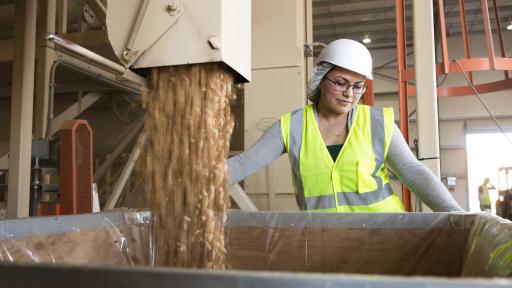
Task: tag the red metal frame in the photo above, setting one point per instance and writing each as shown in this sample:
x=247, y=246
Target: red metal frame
x=464, y=30
x=448, y=67
x=75, y=179
x=500, y=34
x=442, y=27
x=368, y=96
x=402, y=85
x=488, y=34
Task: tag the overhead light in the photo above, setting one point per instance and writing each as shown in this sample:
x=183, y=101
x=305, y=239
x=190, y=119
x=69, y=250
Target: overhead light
x=509, y=27
x=367, y=39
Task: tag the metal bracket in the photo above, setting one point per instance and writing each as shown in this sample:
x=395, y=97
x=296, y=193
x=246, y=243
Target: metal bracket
x=133, y=25
x=309, y=48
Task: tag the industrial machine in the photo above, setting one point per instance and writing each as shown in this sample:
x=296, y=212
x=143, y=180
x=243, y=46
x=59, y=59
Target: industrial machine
x=173, y=32
x=75, y=181
x=61, y=173
x=3, y=184
x=140, y=34
x=176, y=32
x=44, y=194
x=156, y=33
x=504, y=202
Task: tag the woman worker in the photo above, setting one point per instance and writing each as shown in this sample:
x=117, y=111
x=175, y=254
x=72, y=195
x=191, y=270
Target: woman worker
x=339, y=150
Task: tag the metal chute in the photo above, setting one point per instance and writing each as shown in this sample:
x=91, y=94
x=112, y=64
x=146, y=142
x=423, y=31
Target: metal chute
x=164, y=33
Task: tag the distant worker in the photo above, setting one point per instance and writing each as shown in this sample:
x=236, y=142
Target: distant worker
x=339, y=151
x=483, y=195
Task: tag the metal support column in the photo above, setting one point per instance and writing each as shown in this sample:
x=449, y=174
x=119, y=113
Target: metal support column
x=402, y=85
x=62, y=16
x=125, y=174
x=241, y=198
x=426, y=91
x=45, y=59
x=21, y=108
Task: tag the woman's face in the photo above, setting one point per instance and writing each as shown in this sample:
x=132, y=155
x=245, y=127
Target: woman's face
x=339, y=90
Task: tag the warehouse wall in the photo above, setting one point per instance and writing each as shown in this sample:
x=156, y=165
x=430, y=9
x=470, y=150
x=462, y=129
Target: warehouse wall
x=277, y=87
x=278, y=69
x=271, y=89
x=457, y=115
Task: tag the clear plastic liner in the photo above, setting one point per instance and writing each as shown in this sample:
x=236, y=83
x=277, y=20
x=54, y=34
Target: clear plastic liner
x=489, y=248
x=117, y=237
x=405, y=244
x=444, y=245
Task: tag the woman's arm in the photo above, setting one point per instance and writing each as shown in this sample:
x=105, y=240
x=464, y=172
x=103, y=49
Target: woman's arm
x=268, y=148
x=420, y=180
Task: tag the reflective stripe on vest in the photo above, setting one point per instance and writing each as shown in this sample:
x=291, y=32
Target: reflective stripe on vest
x=351, y=198
x=295, y=143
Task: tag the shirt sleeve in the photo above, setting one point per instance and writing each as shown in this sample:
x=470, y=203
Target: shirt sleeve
x=417, y=177
x=268, y=148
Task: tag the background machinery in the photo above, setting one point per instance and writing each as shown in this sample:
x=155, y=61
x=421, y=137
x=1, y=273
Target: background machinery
x=504, y=202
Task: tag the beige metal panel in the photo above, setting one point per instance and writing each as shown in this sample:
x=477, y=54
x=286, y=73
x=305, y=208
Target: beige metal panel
x=452, y=134
x=21, y=109
x=272, y=93
x=278, y=30
x=454, y=163
x=134, y=25
x=424, y=58
x=454, y=158
x=261, y=202
x=461, y=193
x=4, y=159
x=270, y=181
x=236, y=36
x=6, y=50
x=308, y=24
x=7, y=16
x=281, y=202
x=207, y=31
x=62, y=16
x=45, y=59
x=278, y=87
x=286, y=202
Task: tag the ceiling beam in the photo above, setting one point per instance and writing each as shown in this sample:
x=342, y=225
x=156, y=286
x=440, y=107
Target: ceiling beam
x=355, y=12
x=340, y=25
x=331, y=3
x=385, y=38
x=354, y=33
x=325, y=3
x=504, y=16
x=389, y=9
x=392, y=22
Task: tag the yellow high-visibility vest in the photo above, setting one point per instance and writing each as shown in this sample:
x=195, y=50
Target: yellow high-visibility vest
x=357, y=181
x=485, y=196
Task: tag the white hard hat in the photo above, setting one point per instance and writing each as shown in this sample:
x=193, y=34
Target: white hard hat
x=348, y=54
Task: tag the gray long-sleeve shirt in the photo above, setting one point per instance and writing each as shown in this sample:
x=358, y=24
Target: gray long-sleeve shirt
x=416, y=176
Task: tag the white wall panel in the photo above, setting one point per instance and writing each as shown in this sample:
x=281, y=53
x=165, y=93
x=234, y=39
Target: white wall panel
x=277, y=87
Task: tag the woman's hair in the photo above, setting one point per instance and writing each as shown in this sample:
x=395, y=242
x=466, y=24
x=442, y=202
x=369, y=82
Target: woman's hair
x=319, y=71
